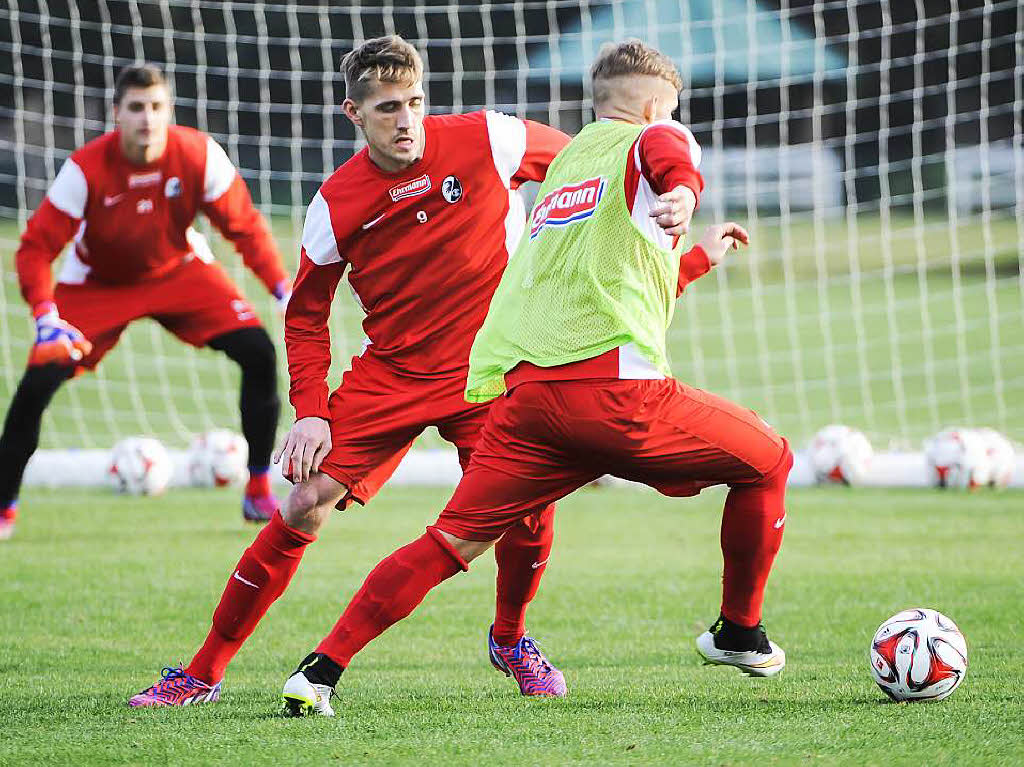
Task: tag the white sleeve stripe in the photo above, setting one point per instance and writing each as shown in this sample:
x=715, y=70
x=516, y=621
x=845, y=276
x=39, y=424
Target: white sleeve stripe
x=219, y=171
x=508, y=144
x=69, y=190
x=695, y=151
x=318, y=233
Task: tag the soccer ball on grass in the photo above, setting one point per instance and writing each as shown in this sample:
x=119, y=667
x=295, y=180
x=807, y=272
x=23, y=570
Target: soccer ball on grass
x=1002, y=458
x=918, y=655
x=839, y=454
x=957, y=458
x=139, y=466
x=217, y=458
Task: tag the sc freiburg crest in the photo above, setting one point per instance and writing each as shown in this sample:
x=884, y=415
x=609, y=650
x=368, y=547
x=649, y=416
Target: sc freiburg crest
x=451, y=189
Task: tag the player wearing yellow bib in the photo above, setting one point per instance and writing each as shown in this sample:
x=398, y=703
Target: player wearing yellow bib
x=573, y=352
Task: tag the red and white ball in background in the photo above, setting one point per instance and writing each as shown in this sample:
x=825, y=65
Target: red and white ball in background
x=957, y=458
x=1002, y=458
x=840, y=454
x=217, y=458
x=139, y=466
x=918, y=655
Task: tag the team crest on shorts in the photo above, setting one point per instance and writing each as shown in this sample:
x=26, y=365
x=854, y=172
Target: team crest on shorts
x=567, y=204
x=451, y=189
x=173, y=187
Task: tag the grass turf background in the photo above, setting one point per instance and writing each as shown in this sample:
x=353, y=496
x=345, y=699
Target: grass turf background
x=98, y=591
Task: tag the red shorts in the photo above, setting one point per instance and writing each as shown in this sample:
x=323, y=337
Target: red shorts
x=544, y=440
x=376, y=414
x=197, y=302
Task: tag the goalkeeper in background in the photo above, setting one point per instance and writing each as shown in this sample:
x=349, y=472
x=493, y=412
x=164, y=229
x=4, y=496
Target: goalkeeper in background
x=572, y=353
x=128, y=199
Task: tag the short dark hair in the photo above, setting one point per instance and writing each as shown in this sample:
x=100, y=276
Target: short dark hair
x=137, y=76
x=384, y=59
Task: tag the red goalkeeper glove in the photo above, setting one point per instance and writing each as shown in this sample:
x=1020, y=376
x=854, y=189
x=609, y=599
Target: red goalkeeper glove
x=57, y=341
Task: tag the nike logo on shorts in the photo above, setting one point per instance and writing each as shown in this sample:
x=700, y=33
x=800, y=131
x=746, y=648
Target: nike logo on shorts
x=535, y=565
x=238, y=577
x=780, y=522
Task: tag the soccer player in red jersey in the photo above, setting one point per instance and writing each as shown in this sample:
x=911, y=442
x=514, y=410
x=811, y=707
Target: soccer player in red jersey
x=575, y=340
x=423, y=220
x=127, y=200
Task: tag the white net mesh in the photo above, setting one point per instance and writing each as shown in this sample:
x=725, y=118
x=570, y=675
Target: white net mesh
x=873, y=148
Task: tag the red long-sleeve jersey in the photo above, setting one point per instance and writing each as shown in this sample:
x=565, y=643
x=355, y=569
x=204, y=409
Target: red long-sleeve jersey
x=665, y=156
x=425, y=248
x=131, y=223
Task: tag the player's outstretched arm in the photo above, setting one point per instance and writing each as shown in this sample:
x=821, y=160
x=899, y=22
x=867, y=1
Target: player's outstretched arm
x=51, y=226
x=304, y=448
x=228, y=205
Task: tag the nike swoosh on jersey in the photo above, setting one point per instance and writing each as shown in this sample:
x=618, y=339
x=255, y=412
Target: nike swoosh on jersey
x=368, y=224
x=112, y=199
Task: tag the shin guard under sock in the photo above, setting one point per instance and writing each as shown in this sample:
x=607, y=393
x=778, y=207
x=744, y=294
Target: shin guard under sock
x=522, y=554
x=390, y=592
x=261, y=576
x=752, y=526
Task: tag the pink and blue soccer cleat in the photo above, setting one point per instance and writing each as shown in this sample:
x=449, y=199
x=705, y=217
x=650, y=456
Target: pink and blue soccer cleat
x=527, y=664
x=176, y=688
x=259, y=508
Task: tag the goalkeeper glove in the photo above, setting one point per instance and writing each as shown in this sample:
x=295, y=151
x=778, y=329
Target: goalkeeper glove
x=282, y=292
x=57, y=341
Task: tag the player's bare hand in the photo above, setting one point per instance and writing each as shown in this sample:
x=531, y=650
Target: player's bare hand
x=718, y=238
x=674, y=210
x=304, y=448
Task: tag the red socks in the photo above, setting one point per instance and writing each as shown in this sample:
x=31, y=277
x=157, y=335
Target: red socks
x=390, y=593
x=258, y=485
x=752, y=526
x=261, y=576
x=522, y=554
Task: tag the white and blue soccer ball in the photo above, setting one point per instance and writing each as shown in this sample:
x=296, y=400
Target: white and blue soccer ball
x=840, y=454
x=918, y=655
x=957, y=458
x=139, y=466
x=1002, y=458
x=217, y=458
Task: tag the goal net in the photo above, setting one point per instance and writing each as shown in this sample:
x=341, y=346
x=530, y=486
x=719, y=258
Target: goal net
x=874, y=150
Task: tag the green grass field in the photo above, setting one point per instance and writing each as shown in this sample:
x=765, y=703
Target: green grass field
x=97, y=592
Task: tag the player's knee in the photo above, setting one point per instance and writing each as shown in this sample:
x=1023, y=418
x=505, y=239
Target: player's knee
x=780, y=473
x=303, y=508
x=252, y=349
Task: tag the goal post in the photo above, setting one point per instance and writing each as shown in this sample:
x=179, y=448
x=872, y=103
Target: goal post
x=875, y=150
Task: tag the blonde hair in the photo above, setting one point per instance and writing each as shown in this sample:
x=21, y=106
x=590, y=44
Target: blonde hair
x=383, y=59
x=630, y=57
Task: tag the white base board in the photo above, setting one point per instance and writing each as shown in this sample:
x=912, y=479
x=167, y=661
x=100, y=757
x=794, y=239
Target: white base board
x=438, y=468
